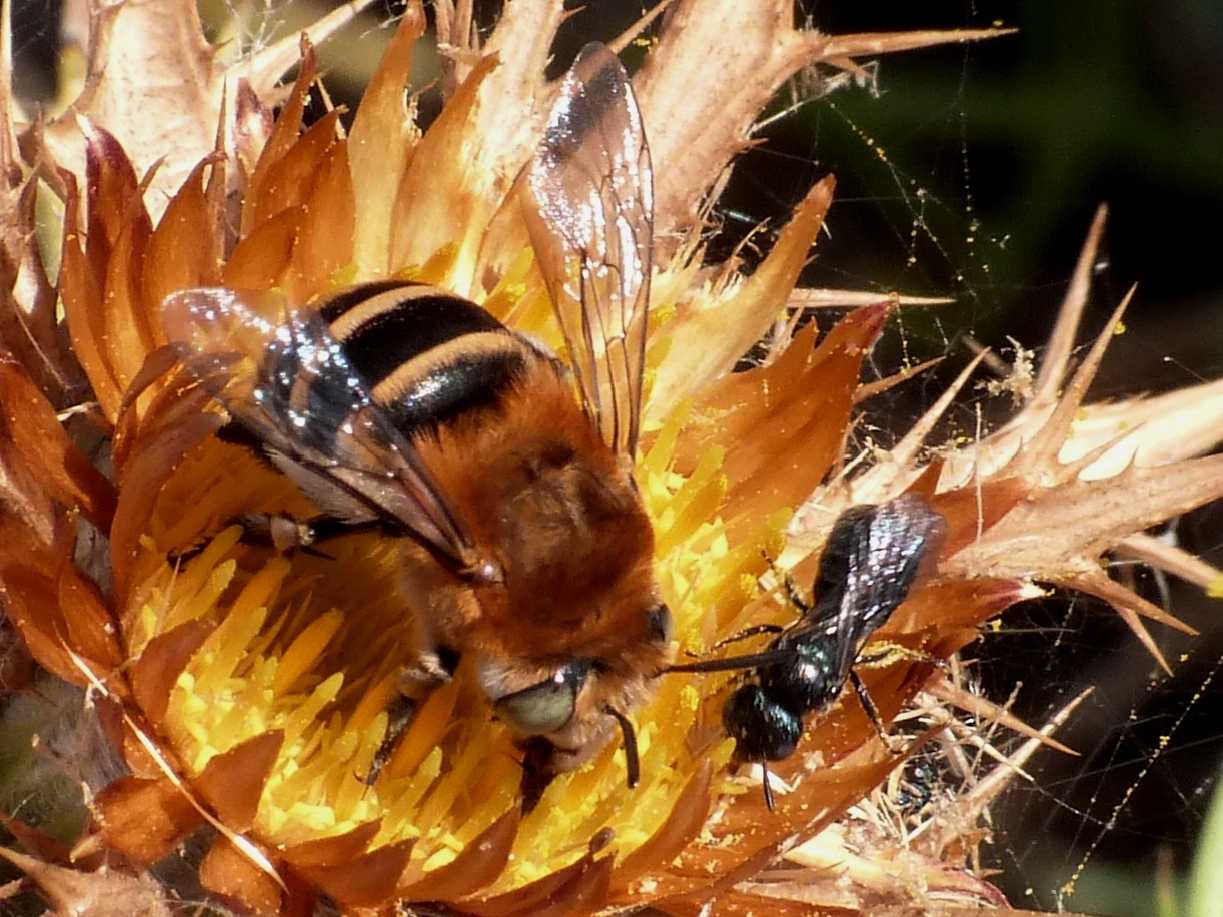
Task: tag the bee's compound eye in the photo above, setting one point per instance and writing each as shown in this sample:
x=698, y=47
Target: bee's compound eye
x=547, y=706
x=762, y=729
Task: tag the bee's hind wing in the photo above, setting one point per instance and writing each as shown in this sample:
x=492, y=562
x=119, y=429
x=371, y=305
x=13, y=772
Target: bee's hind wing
x=589, y=199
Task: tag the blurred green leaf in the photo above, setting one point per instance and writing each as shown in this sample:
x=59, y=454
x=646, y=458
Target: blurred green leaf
x=1205, y=897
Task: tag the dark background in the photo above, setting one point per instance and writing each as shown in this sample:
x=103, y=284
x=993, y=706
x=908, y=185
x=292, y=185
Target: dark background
x=997, y=155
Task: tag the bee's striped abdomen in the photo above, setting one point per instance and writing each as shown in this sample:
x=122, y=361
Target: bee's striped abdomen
x=426, y=355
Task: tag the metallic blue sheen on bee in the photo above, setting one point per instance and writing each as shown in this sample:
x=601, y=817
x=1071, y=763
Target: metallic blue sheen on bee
x=871, y=560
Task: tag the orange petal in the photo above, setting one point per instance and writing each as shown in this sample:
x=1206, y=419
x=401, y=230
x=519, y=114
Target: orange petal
x=91, y=630
x=820, y=799
x=483, y=859
x=81, y=289
x=788, y=422
x=707, y=343
x=63, y=471
x=163, y=660
x=118, y=232
x=113, y=192
x=31, y=602
x=184, y=250
x=229, y=872
x=687, y=818
x=156, y=365
x=951, y=605
x=289, y=181
x=435, y=205
x=261, y=259
x=325, y=243
x=128, y=335
x=31, y=516
x=972, y=511
x=141, y=483
x=145, y=820
x=258, y=206
x=380, y=145
x=366, y=880
x=328, y=851
x=585, y=893
x=119, y=731
x=539, y=896
x=233, y=782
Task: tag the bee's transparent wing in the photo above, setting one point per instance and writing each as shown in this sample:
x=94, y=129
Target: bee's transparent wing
x=872, y=558
x=288, y=384
x=590, y=210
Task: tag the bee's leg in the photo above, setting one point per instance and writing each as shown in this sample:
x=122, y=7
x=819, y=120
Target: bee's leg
x=414, y=684
x=537, y=772
x=764, y=782
x=748, y=632
x=280, y=532
x=324, y=528
x=868, y=704
x=430, y=667
x=286, y=534
x=884, y=652
x=399, y=716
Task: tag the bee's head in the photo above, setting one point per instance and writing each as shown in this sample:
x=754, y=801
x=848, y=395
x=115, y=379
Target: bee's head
x=763, y=729
x=576, y=705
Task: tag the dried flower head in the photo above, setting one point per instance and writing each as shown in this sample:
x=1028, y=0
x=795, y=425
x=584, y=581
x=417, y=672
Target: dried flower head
x=248, y=691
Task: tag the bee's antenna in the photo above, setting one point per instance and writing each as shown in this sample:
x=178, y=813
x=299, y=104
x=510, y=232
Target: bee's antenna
x=632, y=762
x=734, y=663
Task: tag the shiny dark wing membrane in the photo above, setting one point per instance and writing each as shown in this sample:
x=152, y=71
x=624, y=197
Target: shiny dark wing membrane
x=285, y=380
x=872, y=558
x=590, y=210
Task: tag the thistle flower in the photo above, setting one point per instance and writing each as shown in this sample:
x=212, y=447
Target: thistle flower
x=248, y=691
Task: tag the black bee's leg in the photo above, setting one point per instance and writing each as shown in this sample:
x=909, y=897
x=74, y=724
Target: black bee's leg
x=882, y=653
x=399, y=716
x=868, y=704
x=768, y=787
x=745, y=634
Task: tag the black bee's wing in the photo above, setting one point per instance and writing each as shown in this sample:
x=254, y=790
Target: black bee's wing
x=590, y=210
x=287, y=382
x=870, y=562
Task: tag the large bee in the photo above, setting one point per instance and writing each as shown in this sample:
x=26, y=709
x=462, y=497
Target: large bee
x=872, y=557
x=506, y=476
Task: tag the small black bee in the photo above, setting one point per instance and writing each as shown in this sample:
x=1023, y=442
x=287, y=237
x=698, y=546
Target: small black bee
x=871, y=560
